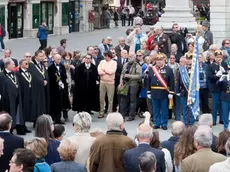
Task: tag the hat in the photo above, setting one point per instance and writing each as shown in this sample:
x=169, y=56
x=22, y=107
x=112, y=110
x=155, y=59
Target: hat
x=160, y=56
x=205, y=24
x=218, y=52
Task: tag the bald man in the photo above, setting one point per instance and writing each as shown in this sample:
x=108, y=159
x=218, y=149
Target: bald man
x=177, y=129
x=121, y=46
x=144, y=136
x=59, y=95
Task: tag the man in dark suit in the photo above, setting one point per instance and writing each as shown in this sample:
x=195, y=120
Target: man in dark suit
x=7, y=54
x=177, y=130
x=11, y=142
x=144, y=136
x=121, y=46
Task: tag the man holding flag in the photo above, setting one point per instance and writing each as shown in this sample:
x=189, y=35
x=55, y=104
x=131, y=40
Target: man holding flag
x=188, y=87
x=161, y=84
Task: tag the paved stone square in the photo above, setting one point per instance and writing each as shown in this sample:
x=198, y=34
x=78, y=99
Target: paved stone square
x=79, y=41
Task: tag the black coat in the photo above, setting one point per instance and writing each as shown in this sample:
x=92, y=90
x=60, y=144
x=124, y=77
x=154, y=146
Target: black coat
x=86, y=95
x=59, y=98
x=2, y=63
x=40, y=95
x=11, y=143
x=179, y=39
x=25, y=83
x=118, y=50
x=11, y=98
x=115, y=16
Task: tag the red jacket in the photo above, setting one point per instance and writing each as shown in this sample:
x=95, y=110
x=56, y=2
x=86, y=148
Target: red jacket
x=150, y=42
x=91, y=16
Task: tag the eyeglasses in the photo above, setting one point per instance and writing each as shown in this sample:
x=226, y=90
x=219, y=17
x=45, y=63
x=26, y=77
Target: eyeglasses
x=45, y=61
x=28, y=56
x=138, y=55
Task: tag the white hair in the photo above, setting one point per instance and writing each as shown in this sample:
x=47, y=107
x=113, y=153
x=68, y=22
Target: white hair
x=203, y=136
x=205, y=119
x=177, y=128
x=121, y=38
x=114, y=121
x=144, y=135
x=82, y=121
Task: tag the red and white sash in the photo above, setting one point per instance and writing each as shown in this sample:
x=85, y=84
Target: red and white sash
x=160, y=78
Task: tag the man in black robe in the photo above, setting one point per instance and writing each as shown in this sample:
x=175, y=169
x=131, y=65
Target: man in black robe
x=25, y=83
x=59, y=96
x=40, y=96
x=86, y=96
x=11, y=97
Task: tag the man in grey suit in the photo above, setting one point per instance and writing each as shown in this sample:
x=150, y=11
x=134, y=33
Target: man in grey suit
x=208, y=36
x=204, y=157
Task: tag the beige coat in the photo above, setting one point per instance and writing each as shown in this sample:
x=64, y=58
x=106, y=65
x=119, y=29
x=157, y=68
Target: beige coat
x=131, y=39
x=201, y=161
x=84, y=142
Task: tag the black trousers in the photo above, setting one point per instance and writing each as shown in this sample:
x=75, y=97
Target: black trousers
x=123, y=19
x=43, y=44
x=116, y=22
x=204, y=95
x=130, y=20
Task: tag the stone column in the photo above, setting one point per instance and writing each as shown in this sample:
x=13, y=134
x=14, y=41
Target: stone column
x=86, y=5
x=27, y=31
x=220, y=20
x=177, y=11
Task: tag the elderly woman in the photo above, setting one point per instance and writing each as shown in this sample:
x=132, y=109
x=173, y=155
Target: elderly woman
x=44, y=129
x=225, y=165
x=135, y=38
x=68, y=151
x=39, y=148
x=82, y=123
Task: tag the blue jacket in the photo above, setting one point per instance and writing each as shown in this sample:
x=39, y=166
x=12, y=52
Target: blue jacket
x=68, y=166
x=131, y=158
x=41, y=165
x=167, y=74
x=42, y=33
x=143, y=93
x=53, y=155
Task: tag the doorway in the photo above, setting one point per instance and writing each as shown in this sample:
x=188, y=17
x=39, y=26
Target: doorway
x=47, y=15
x=15, y=20
x=74, y=16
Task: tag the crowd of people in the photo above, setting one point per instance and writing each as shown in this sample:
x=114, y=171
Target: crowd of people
x=145, y=72
x=193, y=148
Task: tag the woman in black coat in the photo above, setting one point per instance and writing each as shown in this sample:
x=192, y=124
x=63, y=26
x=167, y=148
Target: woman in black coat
x=115, y=17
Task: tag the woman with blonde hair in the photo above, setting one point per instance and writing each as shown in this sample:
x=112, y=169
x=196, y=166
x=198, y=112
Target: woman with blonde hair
x=67, y=151
x=184, y=147
x=39, y=148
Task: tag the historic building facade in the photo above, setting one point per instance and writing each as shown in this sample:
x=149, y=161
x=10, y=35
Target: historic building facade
x=21, y=18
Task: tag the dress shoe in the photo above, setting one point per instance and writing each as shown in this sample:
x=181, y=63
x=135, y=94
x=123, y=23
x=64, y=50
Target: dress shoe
x=221, y=122
x=28, y=131
x=130, y=118
x=164, y=128
x=156, y=127
x=100, y=116
x=21, y=133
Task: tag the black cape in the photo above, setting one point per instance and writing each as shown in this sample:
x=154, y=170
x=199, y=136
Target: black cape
x=11, y=98
x=25, y=83
x=86, y=93
x=40, y=96
x=59, y=98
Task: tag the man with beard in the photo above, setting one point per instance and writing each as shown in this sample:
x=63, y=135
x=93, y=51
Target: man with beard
x=86, y=92
x=11, y=97
x=40, y=96
x=24, y=80
x=59, y=99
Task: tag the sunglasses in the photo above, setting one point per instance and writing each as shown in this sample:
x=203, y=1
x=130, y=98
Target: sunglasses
x=28, y=56
x=45, y=61
x=138, y=55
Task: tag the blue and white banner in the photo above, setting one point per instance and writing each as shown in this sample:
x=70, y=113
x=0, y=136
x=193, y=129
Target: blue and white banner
x=194, y=85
